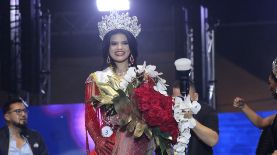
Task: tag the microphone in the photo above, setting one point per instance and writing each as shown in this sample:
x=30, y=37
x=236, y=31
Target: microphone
x=183, y=67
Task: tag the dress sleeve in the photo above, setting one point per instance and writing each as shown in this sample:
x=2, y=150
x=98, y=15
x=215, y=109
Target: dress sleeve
x=91, y=122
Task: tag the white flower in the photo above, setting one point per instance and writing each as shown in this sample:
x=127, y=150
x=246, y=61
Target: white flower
x=123, y=84
x=184, y=124
x=195, y=107
x=187, y=134
x=141, y=68
x=192, y=123
x=178, y=101
x=179, y=148
x=161, y=87
x=178, y=116
x=186, y=105
x=131, y=74
x=150, y=70
x=183, y=140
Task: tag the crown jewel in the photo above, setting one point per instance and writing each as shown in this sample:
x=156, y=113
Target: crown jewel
x=118, y=21
x=274, y=67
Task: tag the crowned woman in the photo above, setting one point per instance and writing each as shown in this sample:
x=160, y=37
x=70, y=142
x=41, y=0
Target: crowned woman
x=106, y=123
x=127, y=109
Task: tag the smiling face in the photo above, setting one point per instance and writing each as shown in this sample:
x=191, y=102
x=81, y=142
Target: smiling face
x=119, y=49
x=17, y=115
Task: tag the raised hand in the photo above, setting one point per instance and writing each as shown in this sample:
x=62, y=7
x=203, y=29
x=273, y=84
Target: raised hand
x=239, y=102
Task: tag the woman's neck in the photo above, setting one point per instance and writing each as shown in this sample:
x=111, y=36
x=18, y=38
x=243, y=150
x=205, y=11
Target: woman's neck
x=121, y=68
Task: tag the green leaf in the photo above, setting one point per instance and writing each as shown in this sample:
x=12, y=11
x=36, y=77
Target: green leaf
x=162, y=139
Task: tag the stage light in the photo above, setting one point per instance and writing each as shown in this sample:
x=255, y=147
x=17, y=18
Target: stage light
x=110, y=5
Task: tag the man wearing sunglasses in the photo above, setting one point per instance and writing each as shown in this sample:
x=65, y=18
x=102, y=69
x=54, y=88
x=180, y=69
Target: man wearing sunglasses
x=16, y=138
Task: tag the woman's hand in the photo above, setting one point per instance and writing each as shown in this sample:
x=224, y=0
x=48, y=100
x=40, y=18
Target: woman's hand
x=104, y=146
x=239, y=103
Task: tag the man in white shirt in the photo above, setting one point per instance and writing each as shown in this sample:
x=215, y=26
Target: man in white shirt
x=16, y=137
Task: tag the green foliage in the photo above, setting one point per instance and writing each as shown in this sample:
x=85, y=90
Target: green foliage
x=162, y=140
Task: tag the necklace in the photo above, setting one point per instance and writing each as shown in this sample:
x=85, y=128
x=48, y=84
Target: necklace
x=121, y=73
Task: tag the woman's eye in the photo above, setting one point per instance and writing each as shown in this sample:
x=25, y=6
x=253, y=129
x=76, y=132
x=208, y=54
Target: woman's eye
x=125, y=43
x=113, y=43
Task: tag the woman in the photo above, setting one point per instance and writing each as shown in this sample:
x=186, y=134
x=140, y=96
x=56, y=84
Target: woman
x=268, y=140
x=120, y=52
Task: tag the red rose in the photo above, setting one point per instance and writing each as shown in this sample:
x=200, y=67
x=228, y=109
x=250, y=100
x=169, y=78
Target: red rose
x=171, y=128
x=153, y=117
x=156, y=109
x=144, y=107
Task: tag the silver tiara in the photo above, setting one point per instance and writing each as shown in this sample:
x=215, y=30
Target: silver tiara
x=118, y=21
x=274, y=67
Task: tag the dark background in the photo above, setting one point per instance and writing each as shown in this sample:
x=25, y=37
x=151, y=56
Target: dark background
x=245, y=45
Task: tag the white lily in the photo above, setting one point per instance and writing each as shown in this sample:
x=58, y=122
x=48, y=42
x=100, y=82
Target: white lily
x=161, y=87
x=141, y=68
x=123, y=84
x=131, y=74
x=150, y=70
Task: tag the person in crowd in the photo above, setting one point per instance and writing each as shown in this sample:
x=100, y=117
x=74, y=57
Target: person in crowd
x=268, y=140
x=205, y=134
x=16, y=137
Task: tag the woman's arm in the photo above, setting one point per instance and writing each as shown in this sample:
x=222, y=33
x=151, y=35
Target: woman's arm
x=102, y=145
x=257, y=120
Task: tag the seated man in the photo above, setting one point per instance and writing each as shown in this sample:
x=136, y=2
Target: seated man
x=16, y=137
x=205, y=134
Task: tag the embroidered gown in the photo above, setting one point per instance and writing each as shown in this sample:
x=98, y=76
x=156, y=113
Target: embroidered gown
x=120, y=142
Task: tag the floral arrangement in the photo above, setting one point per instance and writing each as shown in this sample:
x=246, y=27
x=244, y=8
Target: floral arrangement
x=181, y=106
x=145, y=107
x=140, y=99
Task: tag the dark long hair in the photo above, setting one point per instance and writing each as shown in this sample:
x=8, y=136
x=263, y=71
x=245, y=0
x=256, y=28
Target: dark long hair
x=131, y=41
x=273, y=77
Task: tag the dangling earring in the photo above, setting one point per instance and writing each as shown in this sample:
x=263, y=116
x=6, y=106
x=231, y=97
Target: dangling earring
x=108, y=60
x=132, y=60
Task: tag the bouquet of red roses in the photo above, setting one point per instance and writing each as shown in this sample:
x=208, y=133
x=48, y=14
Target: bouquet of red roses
x=146, y=106
x=156, y=109
x=142, y=106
